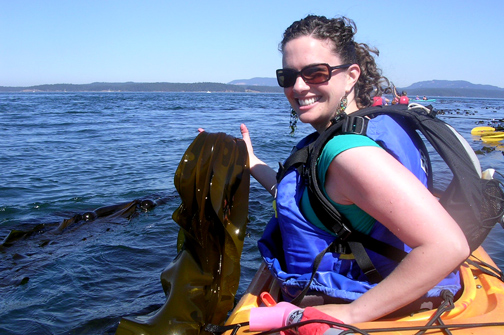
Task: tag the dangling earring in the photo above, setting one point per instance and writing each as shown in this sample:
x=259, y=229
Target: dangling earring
x=343, y=104
x=293, y=121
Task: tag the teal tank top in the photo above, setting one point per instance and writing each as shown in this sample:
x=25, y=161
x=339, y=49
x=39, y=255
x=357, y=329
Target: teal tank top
x=360, y=220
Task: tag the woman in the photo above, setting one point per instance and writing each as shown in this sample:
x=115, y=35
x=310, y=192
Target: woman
x=326, y=73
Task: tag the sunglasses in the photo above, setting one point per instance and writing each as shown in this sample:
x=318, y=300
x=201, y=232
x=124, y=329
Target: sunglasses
x=311, y=74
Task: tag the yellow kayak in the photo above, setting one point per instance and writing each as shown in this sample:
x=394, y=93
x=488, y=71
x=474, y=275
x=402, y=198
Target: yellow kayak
x=479, y=309
x=492, y=138
x=479, y=130
x=491, y=133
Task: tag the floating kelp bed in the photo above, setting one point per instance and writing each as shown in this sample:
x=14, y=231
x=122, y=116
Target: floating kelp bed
x=125, y=210
x=32, y=246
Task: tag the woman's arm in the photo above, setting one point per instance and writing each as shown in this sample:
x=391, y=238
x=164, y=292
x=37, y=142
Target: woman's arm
x=265, y=175
x=386, y=190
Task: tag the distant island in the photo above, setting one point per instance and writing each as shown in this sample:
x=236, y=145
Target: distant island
x=453, y=88
x=432, y=88
x=145, y=87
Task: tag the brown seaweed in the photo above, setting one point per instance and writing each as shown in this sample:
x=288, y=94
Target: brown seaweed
x=32, y=246
x=123, y=210
x=200, y=284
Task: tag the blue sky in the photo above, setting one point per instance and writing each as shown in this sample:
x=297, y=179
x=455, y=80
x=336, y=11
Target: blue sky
x=78, y=42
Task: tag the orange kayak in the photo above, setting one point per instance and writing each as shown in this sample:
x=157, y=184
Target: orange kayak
x=480, y=304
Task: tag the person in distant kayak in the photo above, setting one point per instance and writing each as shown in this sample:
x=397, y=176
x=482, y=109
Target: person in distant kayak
x=404, y=100
x=380, y=101
x=325, y=73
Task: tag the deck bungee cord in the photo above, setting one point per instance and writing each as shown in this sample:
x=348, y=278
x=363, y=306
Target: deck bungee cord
x=349, y=329
x=217, y=330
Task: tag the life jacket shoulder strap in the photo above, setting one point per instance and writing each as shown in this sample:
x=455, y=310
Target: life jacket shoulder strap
x=296, y=160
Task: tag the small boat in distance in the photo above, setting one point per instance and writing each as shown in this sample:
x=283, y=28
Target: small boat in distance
x=422, y=100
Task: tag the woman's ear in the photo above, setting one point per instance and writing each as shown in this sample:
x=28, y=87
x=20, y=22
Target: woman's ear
x=353, y=74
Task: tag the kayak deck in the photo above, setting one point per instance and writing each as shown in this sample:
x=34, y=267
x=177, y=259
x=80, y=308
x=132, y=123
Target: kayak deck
x=482, y=301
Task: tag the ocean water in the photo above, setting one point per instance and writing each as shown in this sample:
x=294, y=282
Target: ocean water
x=63, y=154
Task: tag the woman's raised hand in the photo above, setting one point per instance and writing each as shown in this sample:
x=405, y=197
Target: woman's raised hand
x=246, y=138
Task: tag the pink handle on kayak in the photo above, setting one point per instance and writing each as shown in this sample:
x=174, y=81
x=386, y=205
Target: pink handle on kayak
x=266, y=318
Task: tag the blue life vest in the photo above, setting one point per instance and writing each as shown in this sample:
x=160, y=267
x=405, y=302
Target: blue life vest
x=290, y=243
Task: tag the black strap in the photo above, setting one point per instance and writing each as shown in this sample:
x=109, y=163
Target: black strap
x=336, y=222
x=364, y=262
x=355, y=123
x=379, y=247
x=316, y=264
x=486, y=268
x=445, y=306
x=325, y=211
x=297, y=159
x=217, y=329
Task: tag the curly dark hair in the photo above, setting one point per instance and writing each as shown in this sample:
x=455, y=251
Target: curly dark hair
x=341, y=32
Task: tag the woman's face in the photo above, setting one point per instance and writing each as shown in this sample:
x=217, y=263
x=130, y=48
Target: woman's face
x=317, y=104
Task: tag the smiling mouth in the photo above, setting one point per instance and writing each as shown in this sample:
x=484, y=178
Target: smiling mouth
x=309, y=101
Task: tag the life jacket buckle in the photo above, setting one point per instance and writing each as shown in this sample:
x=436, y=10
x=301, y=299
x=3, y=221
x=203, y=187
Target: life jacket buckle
x=340, y=248
x=355, y=125
x=343, y=232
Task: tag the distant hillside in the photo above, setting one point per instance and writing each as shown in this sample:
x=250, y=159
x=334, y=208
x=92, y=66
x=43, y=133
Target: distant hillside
x=432, y=88
x=453, y=88
x=452, y=84
x=260, y=81
x=438, y=88
x=454, y=92
x=143, y=87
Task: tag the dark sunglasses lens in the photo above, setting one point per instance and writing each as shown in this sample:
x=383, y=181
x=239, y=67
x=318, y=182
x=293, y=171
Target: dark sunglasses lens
x=316, y=74
x=280, y=78
x=286, y=77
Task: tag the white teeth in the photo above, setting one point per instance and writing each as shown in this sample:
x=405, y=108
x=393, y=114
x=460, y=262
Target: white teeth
x=309, y=101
